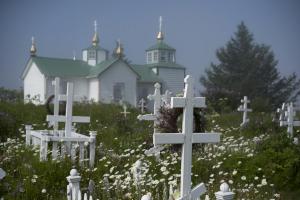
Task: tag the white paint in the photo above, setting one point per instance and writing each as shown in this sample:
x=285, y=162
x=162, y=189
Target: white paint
x=187, y=137
x=94, y=89
x=171, y=77
x=34, y=84
x=118, y=72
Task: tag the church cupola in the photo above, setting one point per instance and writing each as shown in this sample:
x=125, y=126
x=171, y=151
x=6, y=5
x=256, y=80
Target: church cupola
x=119, y=50
x=160, y=52
x=94, y=54
x=33, y=49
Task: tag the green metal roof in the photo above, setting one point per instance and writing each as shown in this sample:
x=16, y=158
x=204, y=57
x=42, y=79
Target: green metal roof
x=165, y=65
x=160, y=45
x=146, y=74
x=92, y=47
x=101, y=67
x=61, y=66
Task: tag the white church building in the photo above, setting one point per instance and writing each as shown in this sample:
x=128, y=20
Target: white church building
x=101, y=77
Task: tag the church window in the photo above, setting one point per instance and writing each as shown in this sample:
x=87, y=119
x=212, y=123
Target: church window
x=119, y=91
x=163, y=56
x=155, y=56
x=91, y=55
x=170, y=59
x=149, y=57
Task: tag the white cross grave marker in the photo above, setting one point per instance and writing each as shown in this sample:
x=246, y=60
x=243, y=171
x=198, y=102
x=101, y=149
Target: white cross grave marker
x=142, y=105
x=187, y=138
x=289, y=120
x=157, y=104
x=125, y=111
x=68, y=118
x=281, y=112
x=244, y=108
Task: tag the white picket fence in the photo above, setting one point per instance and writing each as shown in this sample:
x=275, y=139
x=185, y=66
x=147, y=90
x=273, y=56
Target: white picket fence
x=74, y=191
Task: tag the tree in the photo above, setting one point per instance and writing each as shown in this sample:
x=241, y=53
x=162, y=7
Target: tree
x=248, y=69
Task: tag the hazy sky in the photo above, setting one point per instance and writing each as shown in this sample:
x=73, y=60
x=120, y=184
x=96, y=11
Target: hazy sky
x=195, y=28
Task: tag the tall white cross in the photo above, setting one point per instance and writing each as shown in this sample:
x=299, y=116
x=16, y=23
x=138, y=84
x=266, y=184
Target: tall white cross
x=244, y=108
x=68, y=118
x=125, y=111
x=142, y=105
x=187, y=138
x=290, y=121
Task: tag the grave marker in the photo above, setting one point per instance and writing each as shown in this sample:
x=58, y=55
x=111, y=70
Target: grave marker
x=244, y=108
x=289, y=119
x=187, y=138
x=125, y=111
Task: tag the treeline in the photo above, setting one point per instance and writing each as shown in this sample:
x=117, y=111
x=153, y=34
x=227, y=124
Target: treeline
x=9, y=95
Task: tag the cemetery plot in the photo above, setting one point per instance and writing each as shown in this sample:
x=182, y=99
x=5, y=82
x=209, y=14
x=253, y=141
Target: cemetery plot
x=68, y=138
x=287, y=118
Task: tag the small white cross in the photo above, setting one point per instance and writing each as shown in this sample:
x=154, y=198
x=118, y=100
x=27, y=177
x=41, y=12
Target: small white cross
x=289, y=120
x=244, y=108
x=187, y=137
x=125, y=111
x=157, y=104
x=281, y=112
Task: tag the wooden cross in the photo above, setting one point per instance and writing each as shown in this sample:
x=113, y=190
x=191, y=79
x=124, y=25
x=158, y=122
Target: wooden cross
x=157, y=104
x=290, y=121
x=142, y=105
x=68, y=118
x=125, y=111
x=244, y=108
x=187, y=137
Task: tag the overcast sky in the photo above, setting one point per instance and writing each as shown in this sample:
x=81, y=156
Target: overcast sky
x=195, y=28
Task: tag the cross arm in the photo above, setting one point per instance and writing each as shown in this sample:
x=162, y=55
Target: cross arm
x=62, y=118
x=196, y=192
x=148, y=117
x=168, y=138
x=180, y=102
x=206, y=137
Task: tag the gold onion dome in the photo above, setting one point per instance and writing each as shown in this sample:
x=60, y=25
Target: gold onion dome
x=33, y=49
x=95, y=40
x=119, y=50
x=160, y=35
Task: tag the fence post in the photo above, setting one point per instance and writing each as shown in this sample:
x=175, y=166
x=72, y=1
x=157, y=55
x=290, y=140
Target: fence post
x=224, y=193
x=44, y=147
x=92, y=147
x=73, y=189
x=28, y=134
x=81, y=153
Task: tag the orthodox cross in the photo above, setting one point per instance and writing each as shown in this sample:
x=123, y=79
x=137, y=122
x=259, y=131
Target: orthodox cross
x=187, y=138
x=125, y=111
x=157, y=104
x=244, y=108
x=290, y=121
x=68, y=118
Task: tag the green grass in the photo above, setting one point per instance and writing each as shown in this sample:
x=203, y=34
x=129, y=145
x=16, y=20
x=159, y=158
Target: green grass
x=259, y=152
